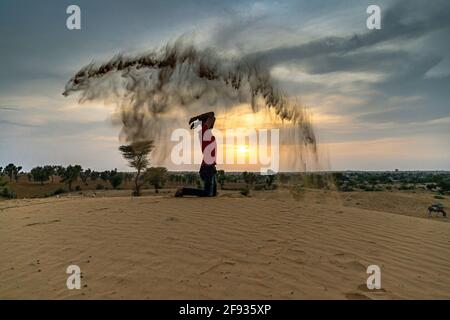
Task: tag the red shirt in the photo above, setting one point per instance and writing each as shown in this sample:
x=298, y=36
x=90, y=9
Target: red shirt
x=209, y=146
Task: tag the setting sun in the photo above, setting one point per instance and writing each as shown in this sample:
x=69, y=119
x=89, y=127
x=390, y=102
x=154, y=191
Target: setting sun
x=243, y=149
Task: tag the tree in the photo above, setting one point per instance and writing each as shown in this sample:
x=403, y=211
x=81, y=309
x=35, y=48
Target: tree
x=270, y=178
x=128, y=176
x=2, y=183
x=249, y=178
x=50, y=170
x=94, y=175
x=444, y=186
x=71, y=174
x=104, y=175
x=156, y=176
x=85, y=174
x=284, y=178
x=40, y=174
x=59, y=171
x=192, y=178
x=137, y=156
x=16, y=173
x=12, y=171
x=221, y=177
x=115, y=178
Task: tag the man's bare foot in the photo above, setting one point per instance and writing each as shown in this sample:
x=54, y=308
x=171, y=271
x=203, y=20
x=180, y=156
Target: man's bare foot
x=179, y=193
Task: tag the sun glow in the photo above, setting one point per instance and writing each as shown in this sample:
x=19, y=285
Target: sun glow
x=243, y=149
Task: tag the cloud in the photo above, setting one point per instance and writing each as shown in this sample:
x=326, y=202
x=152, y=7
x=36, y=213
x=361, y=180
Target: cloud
x=404, y=20
x=362, y=85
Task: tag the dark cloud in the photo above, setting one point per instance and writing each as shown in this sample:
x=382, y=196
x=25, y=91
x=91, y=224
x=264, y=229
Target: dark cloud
x=3, y=108
x=404, y=20
x=16, y=124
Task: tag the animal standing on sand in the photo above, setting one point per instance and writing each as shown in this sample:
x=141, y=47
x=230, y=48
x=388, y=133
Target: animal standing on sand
x=438, y=208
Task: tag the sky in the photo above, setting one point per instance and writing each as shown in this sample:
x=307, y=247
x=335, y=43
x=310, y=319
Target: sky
x=379, y=98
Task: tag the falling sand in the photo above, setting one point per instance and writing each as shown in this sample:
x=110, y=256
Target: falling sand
x=159, y=91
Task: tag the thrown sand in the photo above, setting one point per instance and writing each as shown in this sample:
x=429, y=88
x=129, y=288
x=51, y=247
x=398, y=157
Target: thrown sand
x=268, y=246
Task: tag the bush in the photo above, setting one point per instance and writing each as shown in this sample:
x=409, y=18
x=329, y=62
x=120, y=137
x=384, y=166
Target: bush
x=115, y=180
x=77, y=188
x=58, y=191
x=439, y=197
x=245, y=192
x=6, y=193
x=345, y=187
x=100, y=187
x=297, y=192
x=405, y=186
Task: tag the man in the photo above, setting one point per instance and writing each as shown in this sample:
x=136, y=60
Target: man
x=208, y=167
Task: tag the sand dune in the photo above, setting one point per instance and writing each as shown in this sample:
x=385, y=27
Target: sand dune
x=268, y=246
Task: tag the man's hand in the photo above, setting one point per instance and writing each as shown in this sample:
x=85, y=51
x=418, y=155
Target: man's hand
x=193, y=125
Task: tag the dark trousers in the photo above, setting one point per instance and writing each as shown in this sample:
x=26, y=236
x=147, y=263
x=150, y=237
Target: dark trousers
x=208, y=176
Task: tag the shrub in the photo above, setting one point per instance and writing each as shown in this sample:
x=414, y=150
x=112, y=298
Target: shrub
x=116, y=179
x=156, y=176
x=297, y=192
x=6, y=193
x=100, y=187
x=77, y=188
x=58, y=191
x=245, y=192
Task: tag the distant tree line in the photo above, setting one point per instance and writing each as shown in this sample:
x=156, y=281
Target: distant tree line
x=73, y=174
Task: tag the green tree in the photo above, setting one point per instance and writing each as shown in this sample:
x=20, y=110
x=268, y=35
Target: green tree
x=115, y=178
x=94, y=175
x=270, y=178
x=85, y=174
x=221, y=177
x=284, y=178
x=40, y=174
x=50, y=170
x=2, y=183
x=137, y=156
x=12, y=171
x=59, y=171
x=249, y=178
x=156, y=176
x=104, y=175
x=444, y=186
x=71, y=174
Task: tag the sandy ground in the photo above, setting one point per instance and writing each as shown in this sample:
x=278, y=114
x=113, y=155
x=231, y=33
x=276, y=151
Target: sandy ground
x=268, y=246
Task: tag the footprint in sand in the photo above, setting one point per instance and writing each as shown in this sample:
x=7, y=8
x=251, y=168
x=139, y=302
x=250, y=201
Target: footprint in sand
x=42, y=222
x=348, y=261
